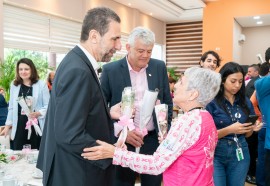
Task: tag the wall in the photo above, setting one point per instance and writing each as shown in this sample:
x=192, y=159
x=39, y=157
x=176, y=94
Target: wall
x=71, y=9
x=76, y=9
x=131, y=18
x=1, y=32
x=237, y=46
x=257, y=41
x=218, y=22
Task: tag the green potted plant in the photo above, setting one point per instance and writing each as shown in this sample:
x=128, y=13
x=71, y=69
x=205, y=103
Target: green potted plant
x=172, y=73
x=7, y=74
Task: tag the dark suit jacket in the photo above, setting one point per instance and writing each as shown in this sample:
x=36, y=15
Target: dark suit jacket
x=3, y=110
x=77, y=115
x=250, y=87
x=115, y=77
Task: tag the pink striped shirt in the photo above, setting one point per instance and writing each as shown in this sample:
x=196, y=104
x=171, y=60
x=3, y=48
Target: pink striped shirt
x=140, y=84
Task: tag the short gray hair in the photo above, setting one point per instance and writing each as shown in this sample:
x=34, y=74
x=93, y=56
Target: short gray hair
x=146, y=35
x=205, y=81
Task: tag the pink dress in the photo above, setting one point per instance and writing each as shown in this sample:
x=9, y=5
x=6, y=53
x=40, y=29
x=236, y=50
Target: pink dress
x=185, y=156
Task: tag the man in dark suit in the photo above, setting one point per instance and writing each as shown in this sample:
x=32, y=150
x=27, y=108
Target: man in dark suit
x=139, y=71
x=253, y=72
x=77, y=114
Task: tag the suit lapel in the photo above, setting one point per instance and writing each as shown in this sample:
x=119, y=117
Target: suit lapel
x=150, y=76
x=15, y=92
x=35, y=93
x=125, y=72
x=78, y=51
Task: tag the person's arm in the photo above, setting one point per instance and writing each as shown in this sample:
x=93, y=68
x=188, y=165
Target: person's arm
x=75, y=91
x=255, y=104
x=167, y=95
x=9, y=120
x=182, y=135
x=42, y=101
x=45, y=96
x=235, y=128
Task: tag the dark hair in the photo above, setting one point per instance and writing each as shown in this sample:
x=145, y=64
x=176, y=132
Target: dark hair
x=267, y=55
x=264, y=69
x=98, y=19
x=171, y=80
x=49, y=78
x=255, y=66
x=228, y=69
x=34, y=75
x=204, y=56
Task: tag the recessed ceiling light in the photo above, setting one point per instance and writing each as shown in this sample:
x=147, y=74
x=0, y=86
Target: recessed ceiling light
x=256, y=17
x=259, y=22
x=129, y=4
x=151, y=13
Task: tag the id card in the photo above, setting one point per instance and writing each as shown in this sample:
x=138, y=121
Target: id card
x=239, y=154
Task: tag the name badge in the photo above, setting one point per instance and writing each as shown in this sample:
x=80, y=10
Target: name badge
x=239, y=154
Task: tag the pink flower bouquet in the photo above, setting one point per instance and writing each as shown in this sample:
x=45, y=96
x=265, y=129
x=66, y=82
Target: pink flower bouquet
x=161, y=111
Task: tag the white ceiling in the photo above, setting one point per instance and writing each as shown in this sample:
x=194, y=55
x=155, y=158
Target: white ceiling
x=251, y=22
x=169, y=10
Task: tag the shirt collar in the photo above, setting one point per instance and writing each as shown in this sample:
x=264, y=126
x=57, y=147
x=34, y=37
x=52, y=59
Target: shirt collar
x=90, y=57
x=131, y=69
x=236, y=100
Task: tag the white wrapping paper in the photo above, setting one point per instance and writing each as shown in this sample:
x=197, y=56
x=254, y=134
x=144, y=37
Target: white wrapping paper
x=27, y=106
x=146, y=109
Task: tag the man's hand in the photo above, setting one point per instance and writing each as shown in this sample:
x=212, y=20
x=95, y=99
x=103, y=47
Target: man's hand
x=102, y=151
x=134, y=138
x=115, y=111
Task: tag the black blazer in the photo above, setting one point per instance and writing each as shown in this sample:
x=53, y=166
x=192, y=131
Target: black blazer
x=77, y=116
x=115, y=77
x=3, y=110
x=250, y=88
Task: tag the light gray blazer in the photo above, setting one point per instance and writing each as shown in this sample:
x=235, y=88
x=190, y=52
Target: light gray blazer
x=41, y=95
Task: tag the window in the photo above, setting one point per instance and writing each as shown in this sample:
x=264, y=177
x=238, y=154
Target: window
x=30, y=30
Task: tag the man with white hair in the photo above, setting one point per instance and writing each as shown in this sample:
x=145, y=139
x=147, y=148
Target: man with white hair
x=141, y=72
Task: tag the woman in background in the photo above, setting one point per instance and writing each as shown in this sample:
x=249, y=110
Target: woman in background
x=50, y=80
x=186, y=154
x=230, y=110
x=172, y=82
x=26, y=84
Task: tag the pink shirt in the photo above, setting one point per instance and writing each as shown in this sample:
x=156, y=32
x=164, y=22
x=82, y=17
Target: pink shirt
x=185, y=156
x=140, y=84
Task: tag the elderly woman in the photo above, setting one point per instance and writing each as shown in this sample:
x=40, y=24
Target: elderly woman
x=186, y=154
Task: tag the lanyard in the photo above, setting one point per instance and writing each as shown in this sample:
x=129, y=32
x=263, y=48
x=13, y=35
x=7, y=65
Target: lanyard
x=234, y=118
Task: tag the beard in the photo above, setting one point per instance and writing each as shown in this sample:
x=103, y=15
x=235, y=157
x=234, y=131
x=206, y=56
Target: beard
x=107, y=56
